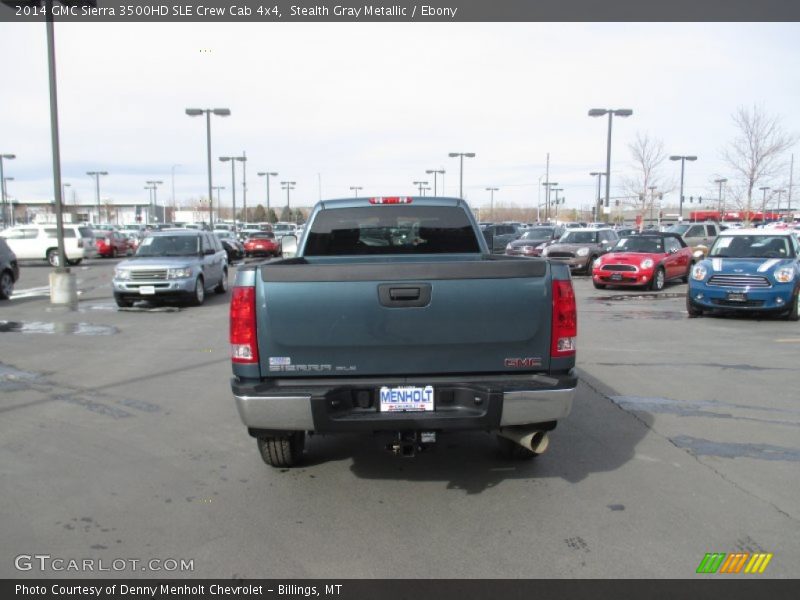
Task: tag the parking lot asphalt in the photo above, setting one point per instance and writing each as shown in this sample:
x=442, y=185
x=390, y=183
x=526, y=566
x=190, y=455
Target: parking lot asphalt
x=119, y=439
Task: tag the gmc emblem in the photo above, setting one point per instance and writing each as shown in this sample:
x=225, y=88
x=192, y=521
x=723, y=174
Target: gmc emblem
x=523, y=363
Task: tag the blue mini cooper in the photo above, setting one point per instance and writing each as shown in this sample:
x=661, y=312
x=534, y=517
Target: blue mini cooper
x=753, y=270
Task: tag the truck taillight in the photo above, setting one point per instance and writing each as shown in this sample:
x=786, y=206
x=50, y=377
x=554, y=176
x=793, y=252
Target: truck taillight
x=565, y=320
x=244, y=342
x=392, y=200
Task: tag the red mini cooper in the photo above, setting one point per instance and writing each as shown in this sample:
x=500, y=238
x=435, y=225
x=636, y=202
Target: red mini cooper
x=646, y=259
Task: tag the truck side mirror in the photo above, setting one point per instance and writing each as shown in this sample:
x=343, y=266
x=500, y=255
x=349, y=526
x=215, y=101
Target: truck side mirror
x=289, y=246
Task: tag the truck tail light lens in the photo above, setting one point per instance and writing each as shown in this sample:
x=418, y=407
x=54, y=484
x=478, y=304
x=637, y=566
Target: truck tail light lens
x=243, y=338
x=565, y=320
x=391, y=200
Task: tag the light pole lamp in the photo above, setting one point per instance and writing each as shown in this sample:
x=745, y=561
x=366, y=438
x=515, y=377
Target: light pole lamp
x=288, y=186
x=435, y=172
x=2, y=188
x=267, y=175
x=154, y=184
x=419, y=185
x=720, y=182
x=683, y=160
x=611, y=112
x=599, y=202
x=491, y=191
x=355, y=189
x=220, y=112
x=96, y=175
x=461, y=156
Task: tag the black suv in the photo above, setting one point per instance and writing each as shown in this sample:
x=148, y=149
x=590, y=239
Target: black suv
x=9, y=270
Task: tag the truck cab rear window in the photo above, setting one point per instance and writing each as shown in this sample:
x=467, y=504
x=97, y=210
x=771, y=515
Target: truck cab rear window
x=391, y=230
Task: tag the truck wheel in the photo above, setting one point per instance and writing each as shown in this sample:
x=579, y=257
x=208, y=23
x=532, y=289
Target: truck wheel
x=122, y=301
x=692, y=310
x=222, y=287
x=282, y=451
x=513, y=451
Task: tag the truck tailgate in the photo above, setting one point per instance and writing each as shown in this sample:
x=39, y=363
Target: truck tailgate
x=482, y=315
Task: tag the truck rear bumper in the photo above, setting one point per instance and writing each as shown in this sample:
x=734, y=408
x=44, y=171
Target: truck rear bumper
x=343, y=405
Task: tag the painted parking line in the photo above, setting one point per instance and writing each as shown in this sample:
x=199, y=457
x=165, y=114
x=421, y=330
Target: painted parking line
x=788, y=341
x=31, y=292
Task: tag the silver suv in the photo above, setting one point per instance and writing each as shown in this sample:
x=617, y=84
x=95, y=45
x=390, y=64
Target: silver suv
x=180, y=264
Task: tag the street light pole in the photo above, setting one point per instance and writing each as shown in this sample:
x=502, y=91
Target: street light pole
x=220, y=112
x=155, y=185
x=242, y=159
x=556, y=190
x=355, y=189
x=720, y=181
x=764, y=204
x=599, y=203
x=288, y=185
x=435, y=172
x=3, y=190
x=3, y=181
x=96, y=175
x=172, y=169
x=461, y=156
x=419, y=184
x=611, y=112
x=491, y=191
x=683, y=160
x=267, y=175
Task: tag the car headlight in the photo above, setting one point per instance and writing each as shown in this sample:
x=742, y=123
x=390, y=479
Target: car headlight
x=596, y=263
x=647, y=263
x=544, y=252
x=582, y=252
x=784, y=274
x=509, y=247
x=699, y=272
x=182, y=273
x=122, y=274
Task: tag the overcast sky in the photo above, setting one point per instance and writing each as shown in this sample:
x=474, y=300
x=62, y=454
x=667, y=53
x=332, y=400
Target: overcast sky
x=375, y=105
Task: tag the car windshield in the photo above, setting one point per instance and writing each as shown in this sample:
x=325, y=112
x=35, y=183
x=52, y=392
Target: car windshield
x=644, y=244
x=537, y=235
x=679, y=229
x=751, y=246
x=169, y=245
x=579, y=237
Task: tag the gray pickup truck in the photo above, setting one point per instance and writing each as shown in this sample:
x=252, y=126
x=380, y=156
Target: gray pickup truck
x=393, y=316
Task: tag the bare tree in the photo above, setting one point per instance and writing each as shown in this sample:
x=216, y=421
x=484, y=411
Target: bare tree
x=648, y=156
x=755, y=153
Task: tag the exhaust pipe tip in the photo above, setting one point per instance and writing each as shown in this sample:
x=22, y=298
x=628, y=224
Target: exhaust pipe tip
x=534, y=440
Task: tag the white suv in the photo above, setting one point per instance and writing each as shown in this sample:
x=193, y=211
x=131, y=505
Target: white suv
x=39, y=242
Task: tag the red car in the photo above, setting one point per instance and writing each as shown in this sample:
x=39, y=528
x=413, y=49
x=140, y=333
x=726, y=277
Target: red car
x=111, y=244
x=646, y=259
x=261, y=243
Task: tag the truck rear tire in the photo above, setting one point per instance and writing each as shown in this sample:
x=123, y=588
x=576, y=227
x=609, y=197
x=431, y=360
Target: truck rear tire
x=282, y=451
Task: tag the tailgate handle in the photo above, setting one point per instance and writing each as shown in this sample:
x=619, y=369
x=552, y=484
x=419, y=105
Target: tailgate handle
x=404, y=293
x=393, y=295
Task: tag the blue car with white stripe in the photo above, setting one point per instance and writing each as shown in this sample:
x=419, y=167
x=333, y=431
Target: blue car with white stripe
x=748, y=270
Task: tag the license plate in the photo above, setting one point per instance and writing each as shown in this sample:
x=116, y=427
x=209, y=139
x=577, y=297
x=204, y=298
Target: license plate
x=406, y=399
x=737, y=297
x=616, y=277
x=147, y=290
